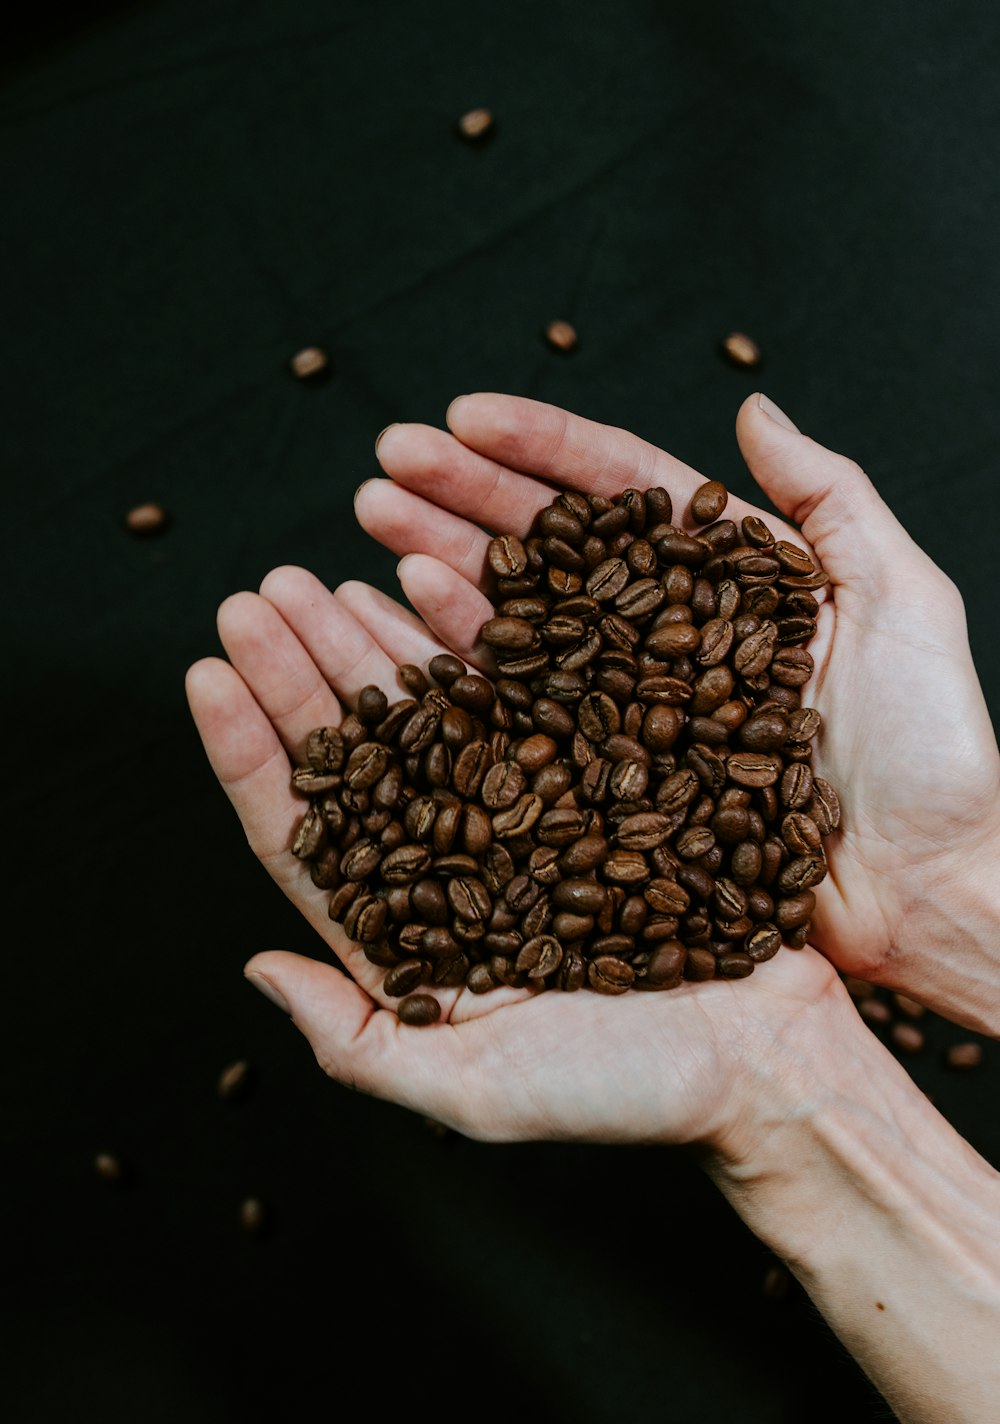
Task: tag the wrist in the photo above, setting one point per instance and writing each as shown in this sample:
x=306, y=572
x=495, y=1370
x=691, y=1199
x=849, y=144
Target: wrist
x=950, y=925
x=887, y=1217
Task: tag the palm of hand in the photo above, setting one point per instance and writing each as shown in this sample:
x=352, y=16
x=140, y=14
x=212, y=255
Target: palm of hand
x=901, y=712
x=907, y=741
x=508, y=1064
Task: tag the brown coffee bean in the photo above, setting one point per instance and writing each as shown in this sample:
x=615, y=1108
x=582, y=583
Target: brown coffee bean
x=519, y=817
x=794, y=910
x=963, y=1056
x=875, y=1012
x=741, y=349
x=536, y=751
x=797, y=790
x=763, y=943
x=418, y=1009
x=734, y=964
x=507, y=558
x=708, y=502
x=608, y=975
x=824, y=806
x=561, y=336
x=405, y=865
x=405, y=976
x=539, y=957
x=906, y=1037
x=469, y=898
x=802, y=873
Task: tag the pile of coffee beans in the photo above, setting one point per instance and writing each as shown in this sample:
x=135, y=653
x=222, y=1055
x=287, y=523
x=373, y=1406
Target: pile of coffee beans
x=628, y=803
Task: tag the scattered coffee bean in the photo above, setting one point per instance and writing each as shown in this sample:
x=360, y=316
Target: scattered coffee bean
x=875, y=1012
x=741, y=349
x=233, y=1080
x=311, y=361
x=630, y=804
x=560, y=336
x=963, y=1056
x=476, y=126
x=253, y=1217
x=906, y=1037
x=146, y=519
x=108, y=1166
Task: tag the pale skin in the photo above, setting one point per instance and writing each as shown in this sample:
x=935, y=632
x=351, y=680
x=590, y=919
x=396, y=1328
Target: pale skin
x=803, y=1119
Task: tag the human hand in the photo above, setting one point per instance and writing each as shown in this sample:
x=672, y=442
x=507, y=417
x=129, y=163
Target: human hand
x=510, y=1064
x=907, y=739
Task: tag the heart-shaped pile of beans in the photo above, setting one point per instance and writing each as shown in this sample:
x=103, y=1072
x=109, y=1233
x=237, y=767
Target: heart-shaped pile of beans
x=627, y=802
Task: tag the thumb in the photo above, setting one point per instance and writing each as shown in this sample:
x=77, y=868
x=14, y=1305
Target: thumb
x=323, y=1003
x=838, y=509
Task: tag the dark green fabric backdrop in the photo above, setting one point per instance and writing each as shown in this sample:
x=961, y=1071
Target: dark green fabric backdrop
x=191, y=193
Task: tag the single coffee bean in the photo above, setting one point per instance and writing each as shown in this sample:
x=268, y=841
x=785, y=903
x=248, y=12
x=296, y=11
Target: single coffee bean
x=708, y=502
x=797, y=790
x=608, y=975
x=445, y=668
x=794, y=910
x=539, y=957
x=824, y=806
x=405, y=976
x=734, y=964
x=507, y=558
x=763, y=943
x=561, y=336
x=963, y=1056
x=875, y=1012
x=418, y=1009
x=906, y=1037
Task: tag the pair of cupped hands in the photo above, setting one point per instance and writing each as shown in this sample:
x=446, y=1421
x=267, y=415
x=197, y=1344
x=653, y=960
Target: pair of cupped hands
x=906, y=741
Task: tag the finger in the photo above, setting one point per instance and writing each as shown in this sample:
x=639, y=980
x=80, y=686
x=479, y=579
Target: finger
x=253, y=769
x=246, y=755
x=434, y=464
x=856, y=535
x=406, y=523
x=451, y=607
x=571, y=451
x=399, y=633
x=566, y=449
x=360, y=1045
x=345, y=652
x=284, y=680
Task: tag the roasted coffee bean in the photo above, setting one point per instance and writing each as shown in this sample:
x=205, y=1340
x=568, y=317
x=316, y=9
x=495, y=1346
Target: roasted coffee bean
x=539, y=957
x=824, y=806
x=584, y=897
x=963, y=1056
x=797, y=790
x=716, y=640
x=536, y=751
x=552, y=781
x=734, y=964
x=800, y=833
x=502, y=785
x=763, y=943
x=608, y=975
x=469, y=899
x=507, y=558
x=794, y=910
x=325, y=749
x=366, y=765
x=419, y=1009
x=708, y=502
x=802, y=874
x=405, y=976
x=906, y=1037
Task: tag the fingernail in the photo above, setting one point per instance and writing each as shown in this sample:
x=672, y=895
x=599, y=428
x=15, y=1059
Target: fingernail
x=775, y=412
x=269, y=991
x=447, y=414
x=382, y=432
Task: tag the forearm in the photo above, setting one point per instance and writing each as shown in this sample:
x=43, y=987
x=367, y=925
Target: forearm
x=887, y=1217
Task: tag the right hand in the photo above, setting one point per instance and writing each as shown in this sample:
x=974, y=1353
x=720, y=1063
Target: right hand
x=907, y=740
